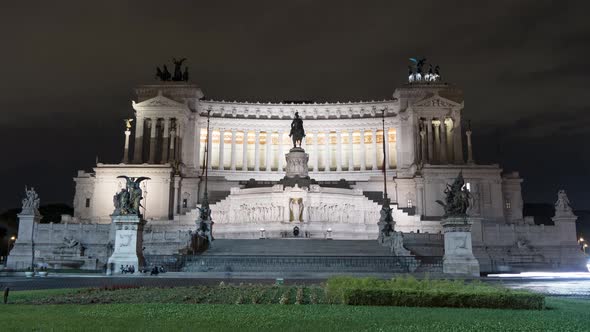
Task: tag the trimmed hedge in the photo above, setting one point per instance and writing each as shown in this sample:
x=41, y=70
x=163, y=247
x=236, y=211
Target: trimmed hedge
x=413, y=298
x=410, y=292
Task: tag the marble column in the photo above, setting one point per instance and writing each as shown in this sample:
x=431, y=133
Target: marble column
x=457, y=141
x=268, y=148
x=443, y=143
x=281, y=151
x=126, y=149
x=363, y=151
x=245, y=151
x=419, y=196
x=257, y=150
x=153, y=139
x=437, y=140
x=165, y=138
x=233, y=150
x=316, y=151
x=423, y=152
x=338, y=150
x=137, y=153
x=172, y=148
x=469, y=147
x=221, y=148
x=179, y=136
x=350, y=149
x=327, y=152
x=374, y=143
x=429, y=138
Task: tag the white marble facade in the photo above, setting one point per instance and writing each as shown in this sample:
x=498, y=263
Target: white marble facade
x=425, y=148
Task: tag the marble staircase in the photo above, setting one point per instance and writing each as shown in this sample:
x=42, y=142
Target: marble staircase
x=303, y=256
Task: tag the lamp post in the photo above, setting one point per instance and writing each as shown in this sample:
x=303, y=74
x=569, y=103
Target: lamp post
x=386, y=221
x=11, y=239
x=585, y=246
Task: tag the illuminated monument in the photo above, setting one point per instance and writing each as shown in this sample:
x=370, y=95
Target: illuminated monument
x=425, y=144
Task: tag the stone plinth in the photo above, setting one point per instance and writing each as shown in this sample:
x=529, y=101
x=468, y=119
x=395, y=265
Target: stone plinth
x=22, y=254
x=297, y=161
x=458, y=258
x=128, y=244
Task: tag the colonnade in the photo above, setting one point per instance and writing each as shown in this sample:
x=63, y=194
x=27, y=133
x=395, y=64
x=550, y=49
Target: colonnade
x=440, y=141
x=264, y=150
x=157, y=140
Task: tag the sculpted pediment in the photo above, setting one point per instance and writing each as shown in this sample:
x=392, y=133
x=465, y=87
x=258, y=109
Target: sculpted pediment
x=436, y=101
x=159, y=102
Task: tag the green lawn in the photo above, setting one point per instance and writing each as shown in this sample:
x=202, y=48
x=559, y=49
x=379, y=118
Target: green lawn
x=562, y=315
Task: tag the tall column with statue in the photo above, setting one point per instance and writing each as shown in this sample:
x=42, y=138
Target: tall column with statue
x=22, y=255
x=127, y=134
x=127, y=217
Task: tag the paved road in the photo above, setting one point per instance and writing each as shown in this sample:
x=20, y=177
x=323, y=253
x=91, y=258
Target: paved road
x=572, y=287
x=21, y=283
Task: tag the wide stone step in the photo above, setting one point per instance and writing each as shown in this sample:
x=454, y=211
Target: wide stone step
x=297, y=247
x=307, y=264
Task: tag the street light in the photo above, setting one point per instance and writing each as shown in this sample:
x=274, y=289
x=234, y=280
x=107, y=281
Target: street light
x=12, y=238
x=581, y=240
x=585, y=246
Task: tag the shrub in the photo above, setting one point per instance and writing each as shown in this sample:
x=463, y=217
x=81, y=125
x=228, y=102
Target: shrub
x=299, y=296
x=426, y=298
x=313, y=296
x=407, y=291
x=284, y=298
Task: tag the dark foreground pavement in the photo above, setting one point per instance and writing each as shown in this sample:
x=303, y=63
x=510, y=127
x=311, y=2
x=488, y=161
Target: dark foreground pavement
x=54, y=282
x=571, y=287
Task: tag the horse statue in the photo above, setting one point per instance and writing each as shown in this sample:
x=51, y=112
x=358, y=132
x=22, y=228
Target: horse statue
x=297, y=132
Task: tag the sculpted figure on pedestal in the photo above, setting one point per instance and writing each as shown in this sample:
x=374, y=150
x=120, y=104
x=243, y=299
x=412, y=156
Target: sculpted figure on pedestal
x=31, y=200
x=297, y=132
x=128, y=200
x=457, y=198
x=177, y=69
x=562, y=205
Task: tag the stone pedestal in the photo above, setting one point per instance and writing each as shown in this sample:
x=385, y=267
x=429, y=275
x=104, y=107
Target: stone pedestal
x=459, y=258
x=297, y=172
x=128, y=244
x=297, y=161
x=22, y=254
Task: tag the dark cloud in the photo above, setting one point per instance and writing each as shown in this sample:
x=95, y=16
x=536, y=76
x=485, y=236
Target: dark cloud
x=69, y=68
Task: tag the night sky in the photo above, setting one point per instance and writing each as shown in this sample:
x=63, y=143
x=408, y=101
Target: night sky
x=68, y=70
